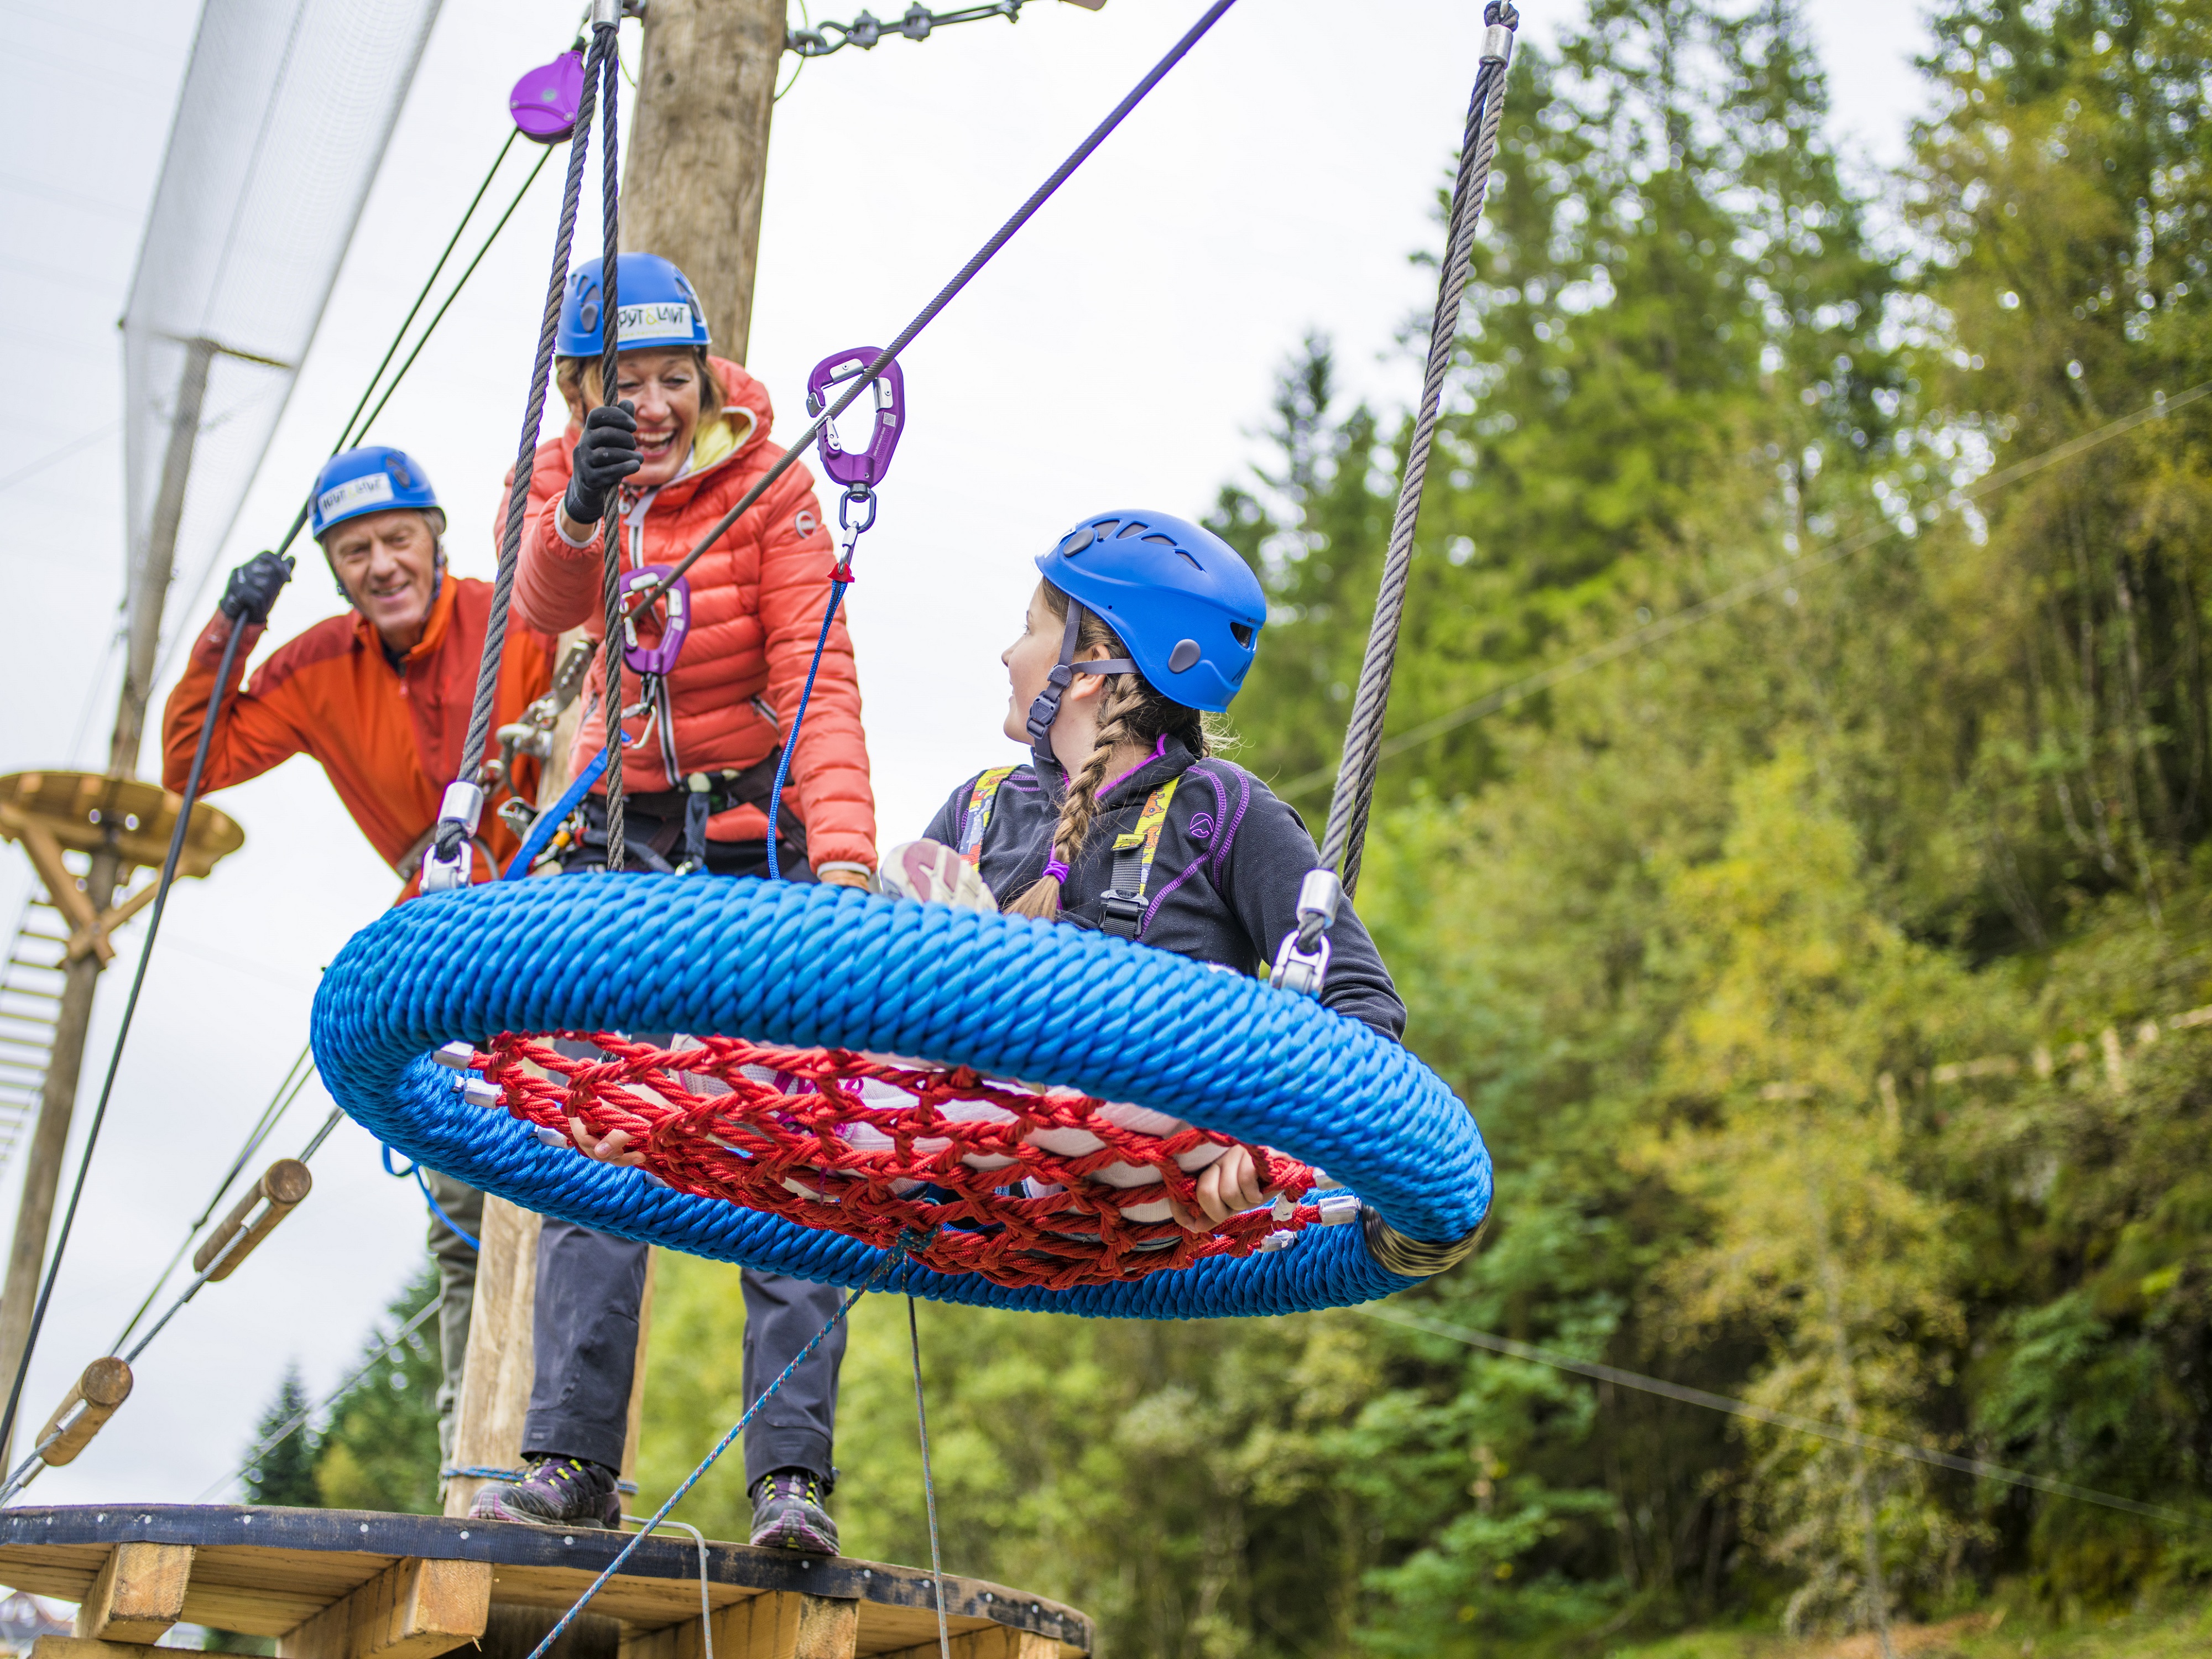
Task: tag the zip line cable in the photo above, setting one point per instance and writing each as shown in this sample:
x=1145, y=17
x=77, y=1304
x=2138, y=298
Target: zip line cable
x=646, y=594
x=296, y=1078
x=1812, y=1425
x=1780, y=575
x=169, y=877
x=268, y=1443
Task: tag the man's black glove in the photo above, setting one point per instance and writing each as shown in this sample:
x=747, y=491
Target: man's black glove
x=604, y=456
x=253, y=587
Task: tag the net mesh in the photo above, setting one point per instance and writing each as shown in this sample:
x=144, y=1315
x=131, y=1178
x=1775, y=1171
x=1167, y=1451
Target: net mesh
x=1023, y=1184
x=283, y=120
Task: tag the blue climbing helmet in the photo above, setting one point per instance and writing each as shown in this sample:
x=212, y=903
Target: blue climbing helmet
x=1181, y=600
x=377, y=479
x=655, y=299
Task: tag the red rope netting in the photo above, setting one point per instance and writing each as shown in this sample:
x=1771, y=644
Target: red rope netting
x=1025, y=1186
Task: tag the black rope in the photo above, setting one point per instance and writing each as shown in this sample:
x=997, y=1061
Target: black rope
x=647, y=592
x=1363, y=739
x=192, y=795
x=611, y=528
x=450, y=832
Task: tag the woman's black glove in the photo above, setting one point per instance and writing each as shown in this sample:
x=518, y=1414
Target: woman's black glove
x=604, y=456
x=252, y=588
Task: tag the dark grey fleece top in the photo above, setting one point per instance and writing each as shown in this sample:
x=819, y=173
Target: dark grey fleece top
x=1223, y=886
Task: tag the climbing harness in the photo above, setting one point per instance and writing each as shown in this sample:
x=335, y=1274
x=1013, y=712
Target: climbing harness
x=977, y=818
x=1301, y=962
x=1124, y=902
x=859, y=471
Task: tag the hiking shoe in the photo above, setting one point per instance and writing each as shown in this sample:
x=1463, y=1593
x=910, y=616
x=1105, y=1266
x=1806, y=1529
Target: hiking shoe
x=787, y=1513
x=554, y=1492
x=933, y=873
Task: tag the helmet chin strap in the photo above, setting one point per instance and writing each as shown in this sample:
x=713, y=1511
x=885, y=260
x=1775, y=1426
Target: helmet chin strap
x=1046, y=709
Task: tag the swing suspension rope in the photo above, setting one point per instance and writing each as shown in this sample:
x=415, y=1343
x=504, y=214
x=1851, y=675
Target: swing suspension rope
x=1346, y=835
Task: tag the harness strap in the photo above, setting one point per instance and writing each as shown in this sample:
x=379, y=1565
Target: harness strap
x=977, y=816
x=1124, y=904
x=708, y=794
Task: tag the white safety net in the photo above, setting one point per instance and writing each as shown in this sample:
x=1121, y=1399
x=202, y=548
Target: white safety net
x=286, y=109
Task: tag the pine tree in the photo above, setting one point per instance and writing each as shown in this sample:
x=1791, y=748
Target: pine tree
x=285, y=1473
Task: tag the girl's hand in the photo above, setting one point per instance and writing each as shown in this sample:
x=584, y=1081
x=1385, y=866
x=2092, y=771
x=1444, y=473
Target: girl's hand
x=1230, y=1183
x=611, y=1148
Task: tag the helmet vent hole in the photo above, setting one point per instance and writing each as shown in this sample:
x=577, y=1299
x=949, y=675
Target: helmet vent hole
x=1243, y=633
x=1184, y=656
x=1129, y=529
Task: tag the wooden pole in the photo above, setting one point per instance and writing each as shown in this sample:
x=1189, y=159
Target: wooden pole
x=698, y=149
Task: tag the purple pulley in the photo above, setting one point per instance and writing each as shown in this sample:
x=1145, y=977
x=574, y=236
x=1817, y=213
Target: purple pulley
x=859, y=468
x=544, y=102
x=659, y=657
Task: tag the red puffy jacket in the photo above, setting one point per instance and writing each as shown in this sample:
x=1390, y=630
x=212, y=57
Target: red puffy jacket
x=757, y=602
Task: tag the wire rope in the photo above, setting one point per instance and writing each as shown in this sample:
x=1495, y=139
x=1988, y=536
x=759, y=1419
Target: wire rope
x=928, y=1485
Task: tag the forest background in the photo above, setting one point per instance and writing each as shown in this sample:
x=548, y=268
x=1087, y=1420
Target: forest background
x=1812, y=963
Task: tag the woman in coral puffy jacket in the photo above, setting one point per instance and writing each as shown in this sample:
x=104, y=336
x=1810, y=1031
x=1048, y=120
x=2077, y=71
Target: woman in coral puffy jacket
x=686, y=435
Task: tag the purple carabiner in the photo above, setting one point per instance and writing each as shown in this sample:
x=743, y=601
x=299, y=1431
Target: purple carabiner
x=659, y=657
x=544, y=102
x=859, y=468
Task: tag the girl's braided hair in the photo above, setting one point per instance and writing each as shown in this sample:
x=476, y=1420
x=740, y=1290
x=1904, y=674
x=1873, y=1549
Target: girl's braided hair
x=1130, y=711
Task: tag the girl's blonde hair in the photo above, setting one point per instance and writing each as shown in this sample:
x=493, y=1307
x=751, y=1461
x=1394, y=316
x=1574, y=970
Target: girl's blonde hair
x=1130, y=711
x=578, y=379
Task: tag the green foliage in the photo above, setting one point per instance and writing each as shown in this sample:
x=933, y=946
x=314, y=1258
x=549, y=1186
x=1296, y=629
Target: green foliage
x=380, y=1450
x=285, y=1473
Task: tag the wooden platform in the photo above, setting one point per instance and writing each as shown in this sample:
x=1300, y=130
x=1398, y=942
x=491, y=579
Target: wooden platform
x=348, y=1584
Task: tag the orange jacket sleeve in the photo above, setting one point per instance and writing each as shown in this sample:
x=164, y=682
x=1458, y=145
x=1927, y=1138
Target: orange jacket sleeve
x=253, y=734
x=829, y=770
x=557, y=585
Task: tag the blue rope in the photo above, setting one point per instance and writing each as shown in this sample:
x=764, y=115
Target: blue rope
x=430, y=1198
x=791, y=743
x=542, y=829
x=812, y=966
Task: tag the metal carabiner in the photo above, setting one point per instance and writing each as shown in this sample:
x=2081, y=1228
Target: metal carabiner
x=659, y=657
x=865, y=467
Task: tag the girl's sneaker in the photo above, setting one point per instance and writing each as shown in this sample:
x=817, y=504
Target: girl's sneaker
x=932, y=873
x=787, y=1513
x=554, y=1492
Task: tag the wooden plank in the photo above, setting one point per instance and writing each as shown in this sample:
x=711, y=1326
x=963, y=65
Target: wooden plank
x=497, y=1374
x=633, y=1424
x=414, y=1609
x=138, y=1594
x=766, y=1627
x=998, y=1642
x=81, y=1647
x=829, y=1628
x=649, y=1603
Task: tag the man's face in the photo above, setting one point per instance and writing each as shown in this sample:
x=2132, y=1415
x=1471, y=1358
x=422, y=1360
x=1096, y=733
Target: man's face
x=387, y=562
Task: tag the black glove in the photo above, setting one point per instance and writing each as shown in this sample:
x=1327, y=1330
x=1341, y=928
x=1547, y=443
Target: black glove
x=604, y=456
x=253, y=587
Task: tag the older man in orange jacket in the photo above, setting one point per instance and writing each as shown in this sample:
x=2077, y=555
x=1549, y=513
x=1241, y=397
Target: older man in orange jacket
x=381, y=699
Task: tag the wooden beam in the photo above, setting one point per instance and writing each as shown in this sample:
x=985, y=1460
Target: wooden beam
x=102, y=1386
x=79, y=1647
x=497, y=1372
x=414, y=1609
x=45, y=855
x=138, y=1594
x=1000, y=1643
x=829, y=1628
x=95, y=936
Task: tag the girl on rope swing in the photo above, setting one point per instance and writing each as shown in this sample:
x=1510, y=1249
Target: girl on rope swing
x=1124, y=819
x=685, y=434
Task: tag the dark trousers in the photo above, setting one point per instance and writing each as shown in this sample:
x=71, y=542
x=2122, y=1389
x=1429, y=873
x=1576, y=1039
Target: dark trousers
x=590, y=1284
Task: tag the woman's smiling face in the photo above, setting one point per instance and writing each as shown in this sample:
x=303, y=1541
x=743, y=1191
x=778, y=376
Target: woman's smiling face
x=664, y=387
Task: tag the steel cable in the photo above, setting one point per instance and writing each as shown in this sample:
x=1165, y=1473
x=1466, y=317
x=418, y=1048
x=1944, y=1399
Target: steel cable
x=1355, y=782
x=611, y=700
x=451, y=831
